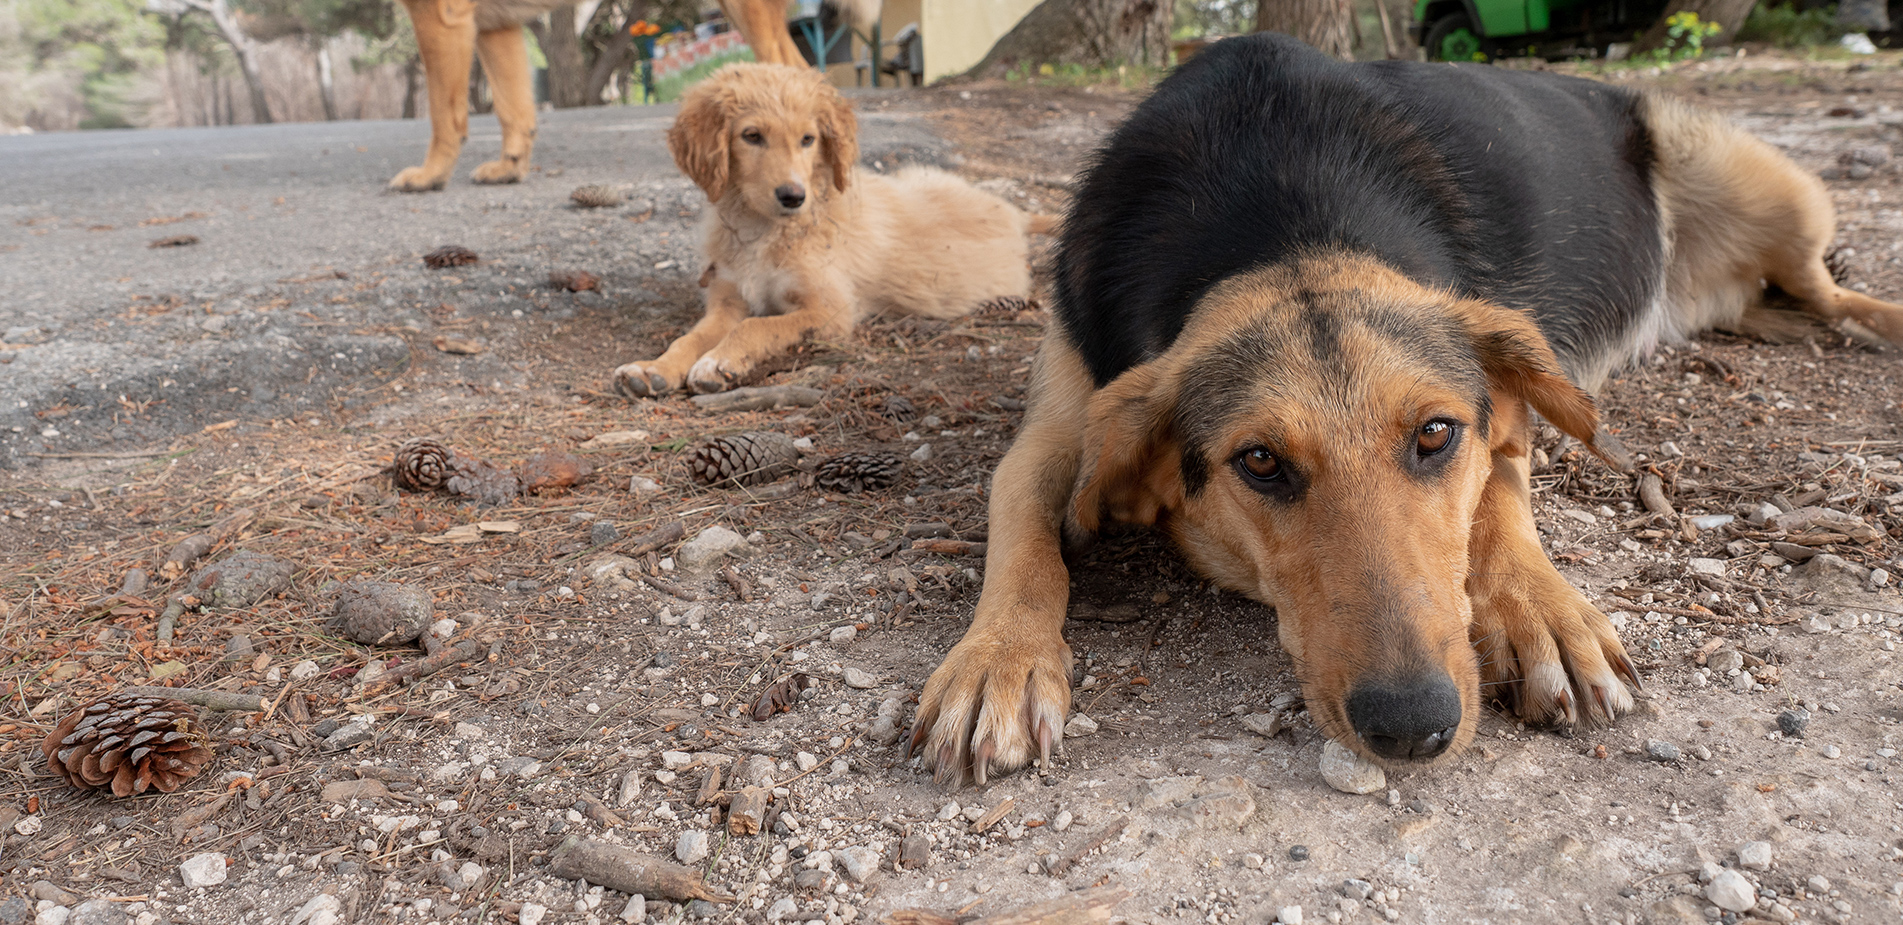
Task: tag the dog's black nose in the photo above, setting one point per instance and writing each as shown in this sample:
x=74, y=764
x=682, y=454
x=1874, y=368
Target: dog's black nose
x=1413, y=719
x=791, y=195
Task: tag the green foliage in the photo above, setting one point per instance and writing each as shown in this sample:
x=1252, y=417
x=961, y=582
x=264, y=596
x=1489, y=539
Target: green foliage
x=92, y=48
x=1193, y=19
x=1127, y=76
x=1785, y=26
x=1685, y=36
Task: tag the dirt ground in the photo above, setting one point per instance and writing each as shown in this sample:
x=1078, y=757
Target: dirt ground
x=596, y=703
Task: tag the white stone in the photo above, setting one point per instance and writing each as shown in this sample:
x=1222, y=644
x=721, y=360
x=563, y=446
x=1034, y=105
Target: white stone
x=676, y=761
x=709, y=548
x=1063, y=820
x=1289, y=915
x=28, y=826
x=949, y=811
x=531, y=914
x=203, y=870
x=1079, y=725
x=636, y=911
x=470, y=874
x=843, y=634
x=1263, y=724
x=1713, y=567
x=781, y=908
x=322, y=909
x=923, y=453
x=52, y=915
x=806, y=760
x=1755, y=855
x=1731, y=892
x=860, y=862
x=859, y=678
x=304, y=670
x=692, y=847
x=1350, y=773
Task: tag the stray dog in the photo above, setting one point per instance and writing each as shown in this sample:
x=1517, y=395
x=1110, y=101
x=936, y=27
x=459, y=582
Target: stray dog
x=1302, y=311
x=802, y=243
x=451, y=32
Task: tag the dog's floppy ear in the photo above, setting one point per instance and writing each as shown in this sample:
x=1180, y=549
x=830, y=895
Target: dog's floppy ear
x=1519, y=362
x=698, y=138
x=1132, y=468
x=838, y=137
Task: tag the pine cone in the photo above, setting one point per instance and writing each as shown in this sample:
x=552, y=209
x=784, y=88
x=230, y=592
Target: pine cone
x=481, y=481
x=854, y=472
x=753, y=458
x=573, y=280
x=1006, y=305
x=421, y=465
x=596, y=196
x=450, y=256
x=898, y=408
x=131, y=743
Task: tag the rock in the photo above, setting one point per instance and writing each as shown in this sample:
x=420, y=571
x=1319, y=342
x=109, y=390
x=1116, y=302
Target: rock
x=1357, y=889
x=1062, y=820
x=677, y=761
x=14, y=910
x=630, y=789
x=1731, y=892
x=806, y=761
x=48, y=891
x=843, y=634
x=1675, y=910
x=1755, y=855
x=1079, y=726
x=709, y=548
x=915, y=851
x=381, y=612
x=322, y=909
x=203, y=870
x=614, y=438
x=1350, y=773
x=636, y=911
x=1289, y=915
x=531, y=914
x=343, y=791
x=692, y=848
x=1826, y=520
x=241, y=579
x=1265, y=725
x=781, y=908
x=1661, y=750
x=1818, y=884
x=1712, y=567
x=859, y=679
x=1725, y=661
x=305, y=670
x=601, y=533
x=1779, y=912
x=52, y=915
x=860, y=862
x=1815, y=624
x=949, y=811
x=98, y=912
x=757, y=770
x=1792, y=722
x=1298, y=853
x=1228, y=805
x=1828, y=574
x=923, y=453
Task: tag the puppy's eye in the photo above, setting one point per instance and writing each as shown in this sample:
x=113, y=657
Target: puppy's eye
x=1260, y=465
x=807, y=141
x=752, y=136
x=1433, y=437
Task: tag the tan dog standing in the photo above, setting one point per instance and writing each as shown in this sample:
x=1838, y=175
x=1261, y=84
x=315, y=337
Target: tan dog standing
x=802, y=243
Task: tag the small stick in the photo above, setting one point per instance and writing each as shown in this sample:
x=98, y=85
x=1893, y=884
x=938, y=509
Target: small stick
x=1107, y=835
x=173, y=607
x=629, y=871
x=758, y=398
x=424, y=667
x=1652, y=494
x=210, y=700
x=183, y=554
x=992, y=815
x=656, y=538
x=739, y=584
x=672, y=589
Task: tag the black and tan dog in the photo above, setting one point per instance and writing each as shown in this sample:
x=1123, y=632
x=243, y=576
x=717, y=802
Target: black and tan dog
x=1304, y=313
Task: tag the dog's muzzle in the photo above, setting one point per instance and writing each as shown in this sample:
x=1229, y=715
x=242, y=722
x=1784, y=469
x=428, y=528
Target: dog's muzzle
x=1411, y=719
x=791, y=196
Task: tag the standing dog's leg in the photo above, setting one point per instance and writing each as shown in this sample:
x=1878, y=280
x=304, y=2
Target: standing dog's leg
x=654, y=378
x=1543, y=647
x=446, y=39
x=505, y=59
x=820, y=311
x=1002, y=694
x=763, y=24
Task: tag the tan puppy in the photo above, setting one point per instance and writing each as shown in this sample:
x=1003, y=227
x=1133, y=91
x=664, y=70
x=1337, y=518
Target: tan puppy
x=801, y=243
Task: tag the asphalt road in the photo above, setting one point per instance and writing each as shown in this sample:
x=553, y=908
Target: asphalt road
x=305, y=283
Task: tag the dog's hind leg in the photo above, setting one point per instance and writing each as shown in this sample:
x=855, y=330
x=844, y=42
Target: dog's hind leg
x=1001, y=696
x=726, y=307
x=446, y=41
x=505, y=60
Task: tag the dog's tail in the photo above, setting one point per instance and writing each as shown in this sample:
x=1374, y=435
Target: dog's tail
x=1042, y=223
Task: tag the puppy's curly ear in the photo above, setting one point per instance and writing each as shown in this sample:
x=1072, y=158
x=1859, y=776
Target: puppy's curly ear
x=838, y=137
x=698, y=138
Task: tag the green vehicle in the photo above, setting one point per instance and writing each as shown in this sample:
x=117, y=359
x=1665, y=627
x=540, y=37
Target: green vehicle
x=1476, y=30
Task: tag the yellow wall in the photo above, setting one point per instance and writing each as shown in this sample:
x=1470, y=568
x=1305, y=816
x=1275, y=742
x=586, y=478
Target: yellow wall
x=957, y=33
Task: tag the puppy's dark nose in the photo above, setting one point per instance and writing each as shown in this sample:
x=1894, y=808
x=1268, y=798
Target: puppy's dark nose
x=1414, y=718
x=791, y=195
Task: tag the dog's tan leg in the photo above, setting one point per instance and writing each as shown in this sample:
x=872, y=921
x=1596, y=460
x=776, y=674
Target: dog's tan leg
x=763, y=24
x=446, y=39
x=1001, y=696
x=654, y=378
x=1543, y=647
x=505, y=60
x=816, y=312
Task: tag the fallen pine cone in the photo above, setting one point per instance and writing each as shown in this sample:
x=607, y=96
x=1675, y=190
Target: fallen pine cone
x=421, y=465
x=753, y=458
x=450, y=256
x=596, y=196
x=574, y=280
x=426, y=465
x=780, y=696
x=855, y=472
x=130, y=743
x=898, y=408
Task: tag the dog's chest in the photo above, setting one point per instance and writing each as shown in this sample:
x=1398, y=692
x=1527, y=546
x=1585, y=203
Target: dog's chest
x=766, y=287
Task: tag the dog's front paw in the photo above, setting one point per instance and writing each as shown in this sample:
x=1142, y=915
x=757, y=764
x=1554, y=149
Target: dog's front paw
x=641, y=380
x=505, y=170
x=712, y=374
x=1546, y=651
x=996, y=703
x=419, y=180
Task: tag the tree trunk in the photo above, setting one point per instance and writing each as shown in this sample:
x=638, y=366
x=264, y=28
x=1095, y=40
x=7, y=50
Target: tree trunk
x=567, y=72
x=1329, y=25
x=617, y=53
x=1864, y=15
x=243, y=47
x=412, y=71
x=1093, y=33
x=1728, y=14
x=326, y=84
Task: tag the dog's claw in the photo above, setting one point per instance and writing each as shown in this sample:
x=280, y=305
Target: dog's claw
x=1624, y=666
x=1044, y=743
x=981, y=761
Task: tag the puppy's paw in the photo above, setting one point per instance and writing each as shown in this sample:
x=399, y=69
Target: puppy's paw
x=996, y=703
x=1546, y=651
x=419, y=180
x=505, y=170
x=642, y=380
x=713, y=374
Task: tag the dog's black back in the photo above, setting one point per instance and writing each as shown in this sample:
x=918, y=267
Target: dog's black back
x=1529, y=189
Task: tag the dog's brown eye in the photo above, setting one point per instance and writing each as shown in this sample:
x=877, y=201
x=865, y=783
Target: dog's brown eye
x=1434, y=437
x=752, y=136
x=807, y=142
x=1261, y=465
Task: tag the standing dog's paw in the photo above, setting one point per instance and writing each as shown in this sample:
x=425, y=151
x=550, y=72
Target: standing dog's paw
x=637, y=380
x=1546, y=651
x=418, y=180
x=504, y=170
x=994, y=704
x=712, y=374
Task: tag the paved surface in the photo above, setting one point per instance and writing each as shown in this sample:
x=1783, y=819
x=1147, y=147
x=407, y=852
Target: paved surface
x=305, y=287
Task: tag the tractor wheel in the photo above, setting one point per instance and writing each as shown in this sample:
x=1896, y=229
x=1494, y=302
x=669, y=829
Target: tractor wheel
x=1452, y=38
